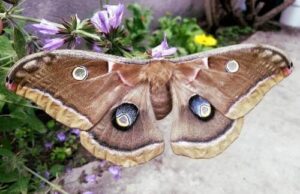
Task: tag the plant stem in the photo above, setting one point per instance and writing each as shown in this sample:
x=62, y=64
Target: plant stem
x=93, y=36
x=28, y=106
x=19, y=17
x=4, y=68
x=6, y=57
x=56, y=187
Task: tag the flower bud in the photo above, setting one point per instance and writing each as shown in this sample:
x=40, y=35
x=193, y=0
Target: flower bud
x=163, y=49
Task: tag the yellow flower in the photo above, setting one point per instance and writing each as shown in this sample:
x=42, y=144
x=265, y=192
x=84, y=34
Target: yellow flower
x=205, y=40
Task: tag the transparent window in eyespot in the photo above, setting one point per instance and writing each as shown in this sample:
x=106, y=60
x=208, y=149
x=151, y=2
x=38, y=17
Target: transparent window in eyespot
x=80, y=73
x=232, y=66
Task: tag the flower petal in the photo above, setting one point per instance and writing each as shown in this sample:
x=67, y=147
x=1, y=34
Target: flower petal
x=168, y=52
x=115, y=171
x=88, y=192
x=46, y=27
x=101, y=22
x=164, y=43
x=48, y=145
x=157, y=51
x=61, y=136
x=52, y=44
x=75, y=132
x=90, y=178
x=205, y=40
x=163, y=49
x=97, y=48
x=115, y=13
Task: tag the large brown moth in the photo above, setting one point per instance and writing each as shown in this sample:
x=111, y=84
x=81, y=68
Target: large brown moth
x=115, y=101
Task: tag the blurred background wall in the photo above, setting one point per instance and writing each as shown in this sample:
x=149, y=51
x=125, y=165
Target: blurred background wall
x=54, y=10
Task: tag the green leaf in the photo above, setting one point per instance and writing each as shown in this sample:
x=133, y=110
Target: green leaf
x=21, y=186
x=27, y=115
x=2, y=8
x=138, y=26
x=51, y=124
x=8, y=177
x=6, y=47
x=10, y=160
x=19, y=43
x=7, y=123
x=2, y=103
x=56, y=169
x=6, y=152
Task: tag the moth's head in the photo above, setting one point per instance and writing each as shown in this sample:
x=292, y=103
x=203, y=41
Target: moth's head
x=288, y=70
x=10, y=85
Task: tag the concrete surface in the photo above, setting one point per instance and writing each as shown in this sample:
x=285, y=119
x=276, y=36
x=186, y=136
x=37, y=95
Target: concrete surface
x=55, y=10
x=264, y=159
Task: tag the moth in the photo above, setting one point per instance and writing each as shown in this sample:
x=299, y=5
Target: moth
x=116, y=101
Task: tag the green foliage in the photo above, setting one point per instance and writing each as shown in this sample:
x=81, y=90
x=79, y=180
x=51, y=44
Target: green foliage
x=7, y=52
x=116, y=43
x=13, y=178
x=233, y=34
x=24, y=130
x=56, y=169
x=2, y=8
x=180, y=33
x=19, y=43
x=138, y=26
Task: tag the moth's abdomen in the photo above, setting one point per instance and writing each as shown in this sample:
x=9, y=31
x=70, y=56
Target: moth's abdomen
x=161, y=101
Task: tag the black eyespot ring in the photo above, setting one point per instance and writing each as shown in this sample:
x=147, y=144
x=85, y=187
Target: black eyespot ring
x=124, y=116
x=201, y=108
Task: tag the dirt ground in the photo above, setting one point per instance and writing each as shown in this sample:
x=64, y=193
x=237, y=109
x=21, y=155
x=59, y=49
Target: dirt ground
x=264, y=159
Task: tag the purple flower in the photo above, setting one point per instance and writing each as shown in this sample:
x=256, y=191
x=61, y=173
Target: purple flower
x=52, y=44
x=90, y=178
x=48, y=145
x=115, y=13
x=163, y=49
x=68, y=169
x=75, y=132
x=115, y=171
x=101, y=21
x=108, y=19
x=102, y=163
x=47, y=175
x=74, y=42
x=46, y=27
x=61, y=136
x=88, y=192
x=77, y=40
x=97, y=48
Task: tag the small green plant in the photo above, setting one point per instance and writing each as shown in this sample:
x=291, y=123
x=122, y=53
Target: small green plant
x=25, y=135
x=233, y=34
x=138, y=26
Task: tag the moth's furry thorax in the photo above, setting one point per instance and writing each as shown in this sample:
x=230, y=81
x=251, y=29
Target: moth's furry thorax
x=158, y=75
